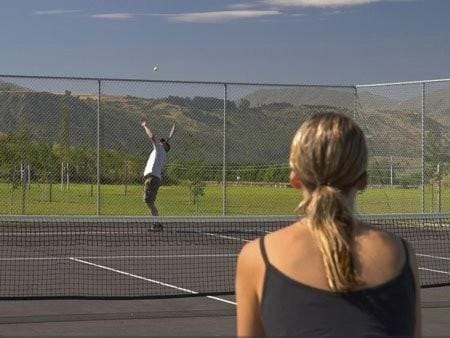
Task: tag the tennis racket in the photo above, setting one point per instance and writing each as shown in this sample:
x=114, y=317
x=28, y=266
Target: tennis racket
x=172, y=131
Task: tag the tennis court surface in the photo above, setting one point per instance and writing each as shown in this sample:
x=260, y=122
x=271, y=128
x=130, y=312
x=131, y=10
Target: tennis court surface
x=70, y=269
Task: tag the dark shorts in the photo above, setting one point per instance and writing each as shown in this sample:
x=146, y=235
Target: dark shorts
x=151, y=186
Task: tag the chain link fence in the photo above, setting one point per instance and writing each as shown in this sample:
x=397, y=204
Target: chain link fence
x=75, y=145
x=407, y=127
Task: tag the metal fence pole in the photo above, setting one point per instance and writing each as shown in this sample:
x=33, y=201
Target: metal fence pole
x=355, y=106
x=23, y=182
x=224, y=160
x=439, y=187
x=392, y=172
x=98, y=147
x=423, y=147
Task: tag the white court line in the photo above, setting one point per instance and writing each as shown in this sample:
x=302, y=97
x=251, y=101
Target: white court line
x=115, y=257
x=226, y=237
x=222, y=300
x=431, y=256
x=132, y=275
x=438, y=271
x=149, y=280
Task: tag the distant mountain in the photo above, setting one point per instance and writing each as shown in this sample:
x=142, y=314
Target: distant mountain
x=259, y=135
x=314, y=96
x=387, y=120
x=7, y=86
x=372, y=101
x=304, y=96
x=398, y=124
x=437, y=103
x=259, y=127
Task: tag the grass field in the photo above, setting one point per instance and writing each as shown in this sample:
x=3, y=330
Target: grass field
x=80, y=199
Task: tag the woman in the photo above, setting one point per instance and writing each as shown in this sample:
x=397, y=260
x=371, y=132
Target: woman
x=328, y=274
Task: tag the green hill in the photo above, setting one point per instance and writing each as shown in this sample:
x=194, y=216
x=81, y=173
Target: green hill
x=259, y=126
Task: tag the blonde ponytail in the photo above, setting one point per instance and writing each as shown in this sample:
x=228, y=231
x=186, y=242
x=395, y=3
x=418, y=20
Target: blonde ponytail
x=332, y=224
x=329, y=156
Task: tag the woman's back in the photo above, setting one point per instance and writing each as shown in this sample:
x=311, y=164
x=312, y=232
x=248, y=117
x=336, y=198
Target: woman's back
x=327, y=274
x=295, y=297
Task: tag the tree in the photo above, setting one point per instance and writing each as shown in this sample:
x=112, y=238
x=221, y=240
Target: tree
x=174, y=172
x=196, y=170
x=435, y=153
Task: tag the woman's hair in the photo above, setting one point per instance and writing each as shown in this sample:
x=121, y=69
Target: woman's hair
x=329, y=156
x=166, y=144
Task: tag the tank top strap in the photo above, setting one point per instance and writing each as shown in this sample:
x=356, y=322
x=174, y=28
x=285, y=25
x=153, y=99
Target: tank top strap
x=405, y=247
x=262, y=247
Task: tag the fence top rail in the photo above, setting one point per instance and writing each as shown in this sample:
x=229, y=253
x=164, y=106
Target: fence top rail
x=78, y=78
x=401, y=83
x=81, y=78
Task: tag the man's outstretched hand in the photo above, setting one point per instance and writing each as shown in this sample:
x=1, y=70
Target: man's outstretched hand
x=144, y=123
x=147, y=129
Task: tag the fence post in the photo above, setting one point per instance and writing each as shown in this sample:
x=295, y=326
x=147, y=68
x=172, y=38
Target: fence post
x=439, y=187
x=23, y=182
x=224, y=159
x=423, y=147
x=98, y=147
x=392, y=172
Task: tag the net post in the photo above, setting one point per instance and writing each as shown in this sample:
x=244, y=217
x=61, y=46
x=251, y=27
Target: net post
x=99, y=82
x=224, y=159
x=423, y=147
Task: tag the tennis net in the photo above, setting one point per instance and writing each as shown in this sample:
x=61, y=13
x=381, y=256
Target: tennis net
x=122, y=257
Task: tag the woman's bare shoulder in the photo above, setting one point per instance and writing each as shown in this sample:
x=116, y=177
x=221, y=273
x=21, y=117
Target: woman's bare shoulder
x=387, y=245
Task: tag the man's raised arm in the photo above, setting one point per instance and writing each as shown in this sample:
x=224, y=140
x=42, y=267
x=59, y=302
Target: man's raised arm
x=148, y=130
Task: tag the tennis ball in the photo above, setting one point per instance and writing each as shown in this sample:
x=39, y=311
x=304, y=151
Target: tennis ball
x=155, y=68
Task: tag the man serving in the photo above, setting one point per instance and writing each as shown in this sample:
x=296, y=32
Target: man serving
x=153, y=169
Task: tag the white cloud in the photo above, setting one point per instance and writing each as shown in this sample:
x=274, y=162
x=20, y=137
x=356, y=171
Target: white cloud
x=56, y=12
x=317, y=3
x=220, y=16
x=195, y=17
x=242, y=6
x=114, y=16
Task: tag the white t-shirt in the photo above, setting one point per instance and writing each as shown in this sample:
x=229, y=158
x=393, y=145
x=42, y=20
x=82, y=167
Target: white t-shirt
x=156, y=161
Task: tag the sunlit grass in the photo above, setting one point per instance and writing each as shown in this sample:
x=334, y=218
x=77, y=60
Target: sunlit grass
x=80, y=199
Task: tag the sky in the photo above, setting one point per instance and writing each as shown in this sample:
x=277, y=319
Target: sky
x=276, y=41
